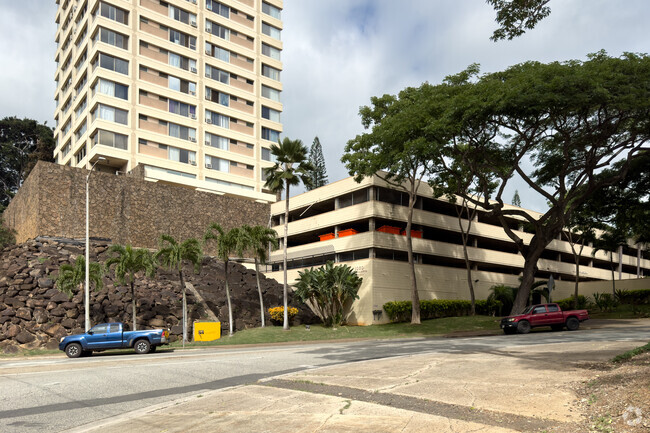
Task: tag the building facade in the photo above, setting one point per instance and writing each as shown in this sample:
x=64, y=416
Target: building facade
x=362, y=225
x=187, y=89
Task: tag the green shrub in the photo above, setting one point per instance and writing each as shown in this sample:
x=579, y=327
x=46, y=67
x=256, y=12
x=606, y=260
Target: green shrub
x=567, y=304
x=605, y=301
x=400, y=311
x=633, y=297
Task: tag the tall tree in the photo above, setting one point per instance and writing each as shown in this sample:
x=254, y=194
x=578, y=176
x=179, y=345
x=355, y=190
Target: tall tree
x=232, y=241
x=319, y=174
x=173, y=255
x=402, y=149
x=23, y=142
x=517, y=16
x=128, y=262
x=571, y=120
x=516, y=200
x=258, y=240
x=73, y=277
x=291, y=167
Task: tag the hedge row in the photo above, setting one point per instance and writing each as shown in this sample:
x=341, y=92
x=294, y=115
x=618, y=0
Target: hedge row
x=634, y=297
x=400, y=311
x=567, y=304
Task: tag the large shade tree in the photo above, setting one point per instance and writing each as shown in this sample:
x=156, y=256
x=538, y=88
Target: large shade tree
x=23, y=142
x=173, y=255
x=402, y=148
x=128, y=262
x=258, y=240
x=290, y=169
x=557, y=126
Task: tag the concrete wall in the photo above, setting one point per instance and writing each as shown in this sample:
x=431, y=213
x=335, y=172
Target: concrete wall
x=123, y=209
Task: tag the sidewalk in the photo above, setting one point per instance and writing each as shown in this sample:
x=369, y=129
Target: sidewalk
x=507, y=390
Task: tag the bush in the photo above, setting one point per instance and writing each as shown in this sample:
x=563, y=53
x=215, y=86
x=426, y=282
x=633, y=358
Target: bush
x=567, y=304
x=277, y=313
x=605, y=301
x=400, y=311
x=634, y=297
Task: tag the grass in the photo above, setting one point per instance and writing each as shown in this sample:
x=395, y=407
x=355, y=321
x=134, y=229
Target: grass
x=275, y=334
x=631, y=354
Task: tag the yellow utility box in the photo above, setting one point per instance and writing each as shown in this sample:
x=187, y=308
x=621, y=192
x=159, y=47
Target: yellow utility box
x=207, y=331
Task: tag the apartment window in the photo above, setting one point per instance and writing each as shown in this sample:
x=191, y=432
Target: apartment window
x=148, y=169
x=270, y=10
x=66, y=128
x=79, y=156
x=181, y=85
x=112, y=38
x=67, y=105
x=111, y=88
x=266, y=154
x=113, y=13
x=270, y=72
x=181, y=38
x=217, y=52
x=80, y=131
x=270, y=114
x=181, y=108
x=270, y=93
x=270, y=51
x=181, y=15
x=182, y=62
x=182, y=132
x=218, y=97
x=270, y=134
x=173, y=153
x=113, y=64
x=217, y=141
x=214, y=163
x=217, y=74
x=110, y=139
x=81, y=61
x=80, y=108
x=65, y=150
x=269, y=30
x=217, y=30
x=111, y=114
x=80, y=85
x=218, y=8
x=217, y=119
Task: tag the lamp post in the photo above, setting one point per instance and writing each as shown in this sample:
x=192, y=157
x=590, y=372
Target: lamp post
x=87, y=286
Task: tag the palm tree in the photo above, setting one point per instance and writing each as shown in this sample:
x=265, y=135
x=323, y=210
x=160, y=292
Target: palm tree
x=73, y=277
x=504, y=294
x=129, y=262
x=257, y=240
x=291, y=168
x=227, y=243
x=172, y=255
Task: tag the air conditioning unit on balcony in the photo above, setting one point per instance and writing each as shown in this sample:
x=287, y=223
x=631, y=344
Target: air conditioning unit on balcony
x=192, y=162
x=208, y=143
x=193, y=116
x=193, y=23
x=192, y=92
x=193, y=140
x=193, y=70
x=208, y=121
x=208, y=166
x=193, y=1
x=208, y=52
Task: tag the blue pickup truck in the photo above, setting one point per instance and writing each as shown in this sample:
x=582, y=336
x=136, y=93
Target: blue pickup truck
x=112, y=336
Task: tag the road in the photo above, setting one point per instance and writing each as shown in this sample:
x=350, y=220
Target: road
x=54, y=394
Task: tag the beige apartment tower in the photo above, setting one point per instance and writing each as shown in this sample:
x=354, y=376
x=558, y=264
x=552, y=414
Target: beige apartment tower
x=189, y=90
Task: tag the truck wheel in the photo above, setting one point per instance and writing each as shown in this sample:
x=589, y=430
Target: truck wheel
x=557, y=327
x=73, y=350
x=523, y=327
x=572, y=324
x=141, y=347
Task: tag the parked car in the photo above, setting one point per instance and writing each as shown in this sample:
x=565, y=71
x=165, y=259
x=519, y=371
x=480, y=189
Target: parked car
x=544, y=315
x=112, y=336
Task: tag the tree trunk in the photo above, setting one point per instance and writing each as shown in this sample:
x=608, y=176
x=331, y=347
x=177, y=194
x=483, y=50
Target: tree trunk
x=133, y=302
x=285, y=326
x=464, y=234
x=228, y=299
x=575, y=292
x=415, y=297
x=611, y=265
x=182, y=280
x=528, y=278
x=259, y=290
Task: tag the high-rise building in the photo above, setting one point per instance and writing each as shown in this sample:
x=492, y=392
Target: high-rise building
x=189, y=90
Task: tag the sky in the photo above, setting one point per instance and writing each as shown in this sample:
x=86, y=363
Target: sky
x=337, y=54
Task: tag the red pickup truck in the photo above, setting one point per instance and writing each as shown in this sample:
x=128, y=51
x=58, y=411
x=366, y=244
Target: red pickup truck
x=543, y=315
